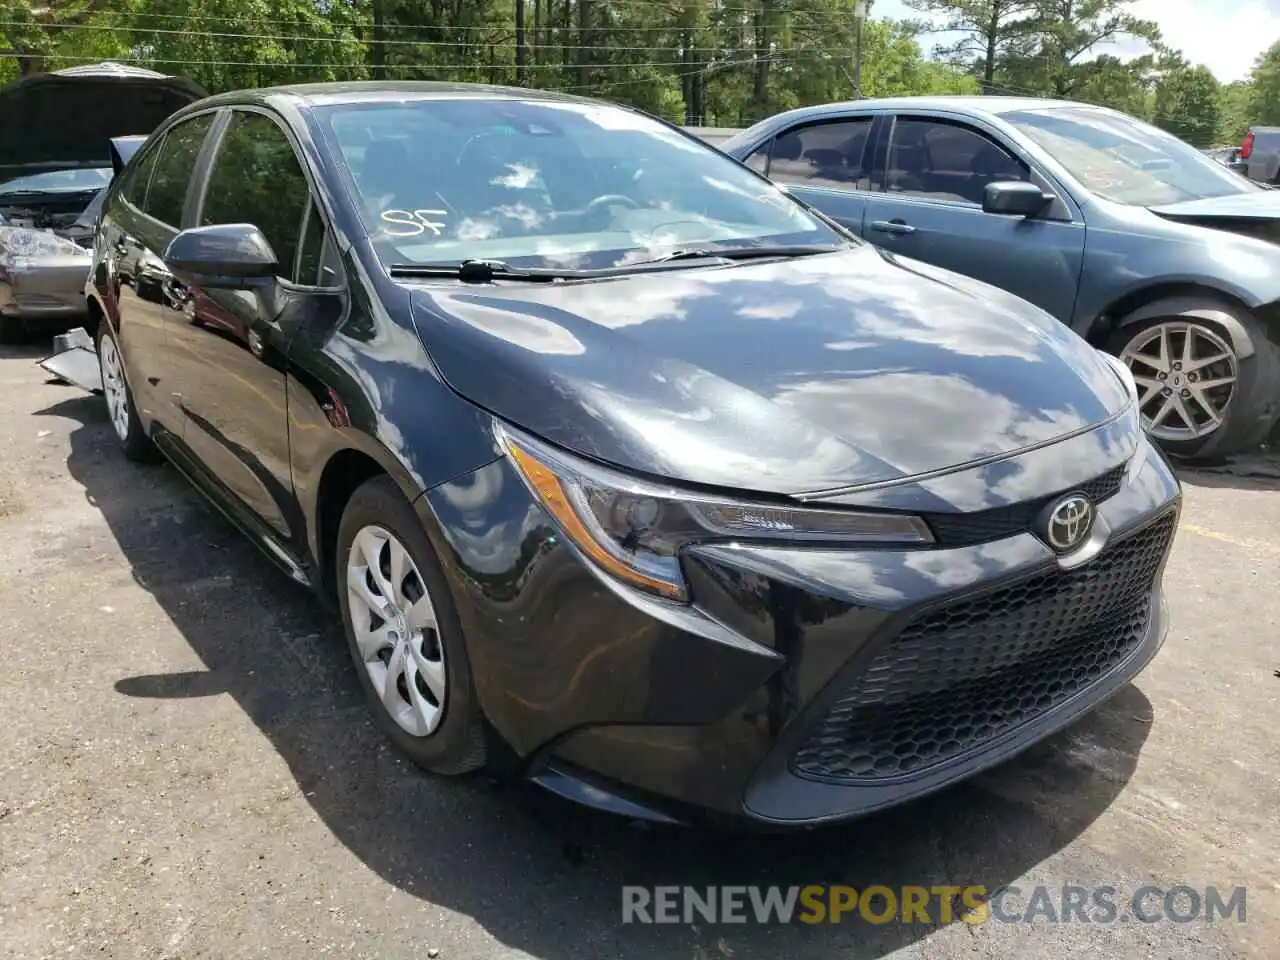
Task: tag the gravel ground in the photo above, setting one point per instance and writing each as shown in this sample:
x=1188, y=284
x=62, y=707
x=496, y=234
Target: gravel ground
x=187, y=769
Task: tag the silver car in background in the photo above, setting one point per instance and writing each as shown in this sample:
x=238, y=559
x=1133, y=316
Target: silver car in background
x=62, y=137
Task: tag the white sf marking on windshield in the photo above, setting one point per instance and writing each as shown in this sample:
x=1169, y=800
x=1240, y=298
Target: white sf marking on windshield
x=418, y=222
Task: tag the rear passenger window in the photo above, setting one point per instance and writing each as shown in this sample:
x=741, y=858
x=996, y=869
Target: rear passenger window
x=824, y=155
x=256, y=178
x=947, y=161
x=173, y=169
x=134, y=185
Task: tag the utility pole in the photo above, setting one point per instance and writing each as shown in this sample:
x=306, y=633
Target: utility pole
x=859, y=14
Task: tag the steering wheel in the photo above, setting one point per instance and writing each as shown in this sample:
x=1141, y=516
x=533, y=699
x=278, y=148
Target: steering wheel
x=609, y=199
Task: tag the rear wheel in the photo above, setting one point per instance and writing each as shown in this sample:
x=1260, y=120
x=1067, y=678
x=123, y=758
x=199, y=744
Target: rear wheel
x=403, y=632
x=1199, y=399
x=120, y=409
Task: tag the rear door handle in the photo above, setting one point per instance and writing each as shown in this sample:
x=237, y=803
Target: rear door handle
x=896, y=227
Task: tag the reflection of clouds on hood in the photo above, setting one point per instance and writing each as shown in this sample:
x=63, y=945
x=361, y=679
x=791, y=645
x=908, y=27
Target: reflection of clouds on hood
x=510, y=324
x=686, y=429
x=779, y=310
x=614, y=303
x=906, y=307
x=920, y=421
x=953, y=569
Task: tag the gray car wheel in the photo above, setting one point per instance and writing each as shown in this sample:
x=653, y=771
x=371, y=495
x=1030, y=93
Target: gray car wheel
x=404, y=634
x=1198, y=398
x=119, y=399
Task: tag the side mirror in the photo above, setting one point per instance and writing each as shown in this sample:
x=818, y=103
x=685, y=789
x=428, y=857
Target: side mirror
x=231, y=256
x=1015, y=198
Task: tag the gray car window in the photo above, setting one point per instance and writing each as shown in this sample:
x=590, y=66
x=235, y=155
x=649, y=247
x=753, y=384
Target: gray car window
x=823, y=155
x=174, y=166
x=134, y=182
x=256, y=178
x=947, y=161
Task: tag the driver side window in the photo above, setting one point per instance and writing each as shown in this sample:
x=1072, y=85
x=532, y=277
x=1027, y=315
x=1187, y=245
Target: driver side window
x=256, y=178
x=940, y=160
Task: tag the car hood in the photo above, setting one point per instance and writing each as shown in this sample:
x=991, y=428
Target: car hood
x=783, y=377
x=107, y=100
x=1254, y=205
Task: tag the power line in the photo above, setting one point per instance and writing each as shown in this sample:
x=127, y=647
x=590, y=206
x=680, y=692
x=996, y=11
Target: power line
x=717, y=64
x=477, y=28
x=320, y=39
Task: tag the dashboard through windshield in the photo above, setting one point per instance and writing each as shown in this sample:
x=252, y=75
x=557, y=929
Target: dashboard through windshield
x=546, y=183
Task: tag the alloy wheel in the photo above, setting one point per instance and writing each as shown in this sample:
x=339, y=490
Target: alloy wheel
x=396, y=630
x=113, y=386
x=1186, y=376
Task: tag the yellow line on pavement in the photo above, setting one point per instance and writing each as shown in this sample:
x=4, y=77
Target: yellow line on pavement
x=1234, y=541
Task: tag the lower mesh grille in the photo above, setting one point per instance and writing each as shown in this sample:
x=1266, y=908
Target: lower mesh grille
x=964, y=674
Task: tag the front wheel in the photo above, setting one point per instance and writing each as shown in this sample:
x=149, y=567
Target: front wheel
x=404, y=634
x=1198, y=399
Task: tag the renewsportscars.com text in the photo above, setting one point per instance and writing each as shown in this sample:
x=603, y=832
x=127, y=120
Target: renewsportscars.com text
x=818, y=903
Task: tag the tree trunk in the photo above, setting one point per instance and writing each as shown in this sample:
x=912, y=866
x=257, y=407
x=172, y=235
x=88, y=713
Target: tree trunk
x=584, y=43
x=535, y=38
x=760, y=84
x=521, y=74
x=378, y=55
x=993, y=34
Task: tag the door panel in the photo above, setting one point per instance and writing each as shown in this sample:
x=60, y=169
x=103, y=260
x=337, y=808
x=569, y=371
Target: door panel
x=826, y=164
x=233, y=343
x=928, y=206
x=143, y=220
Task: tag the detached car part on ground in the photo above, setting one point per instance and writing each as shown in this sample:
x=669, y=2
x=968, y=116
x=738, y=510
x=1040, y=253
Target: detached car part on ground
x=624, y=471
x=1136, y=240
x=61, y=136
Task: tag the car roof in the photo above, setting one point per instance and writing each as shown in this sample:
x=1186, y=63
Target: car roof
x=388, y=91
x=990, y=106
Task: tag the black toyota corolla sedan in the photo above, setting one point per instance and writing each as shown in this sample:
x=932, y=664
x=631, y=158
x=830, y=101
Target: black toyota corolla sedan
x=627, y=472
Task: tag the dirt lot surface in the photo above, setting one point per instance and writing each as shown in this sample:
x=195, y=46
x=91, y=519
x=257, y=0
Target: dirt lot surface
x=187, y=769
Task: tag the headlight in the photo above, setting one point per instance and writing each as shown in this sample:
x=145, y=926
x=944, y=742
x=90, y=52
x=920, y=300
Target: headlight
x=634, y=529
x=1124, y=373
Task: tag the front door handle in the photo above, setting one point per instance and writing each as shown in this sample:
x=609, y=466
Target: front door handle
x=899, y=228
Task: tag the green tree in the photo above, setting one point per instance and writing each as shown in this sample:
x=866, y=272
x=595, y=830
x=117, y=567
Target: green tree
x=1264, y=101
x=987, y=28
x=1187, y=103
x=1235, y=111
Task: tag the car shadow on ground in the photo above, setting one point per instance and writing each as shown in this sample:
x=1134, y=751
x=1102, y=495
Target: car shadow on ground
x=540, y=875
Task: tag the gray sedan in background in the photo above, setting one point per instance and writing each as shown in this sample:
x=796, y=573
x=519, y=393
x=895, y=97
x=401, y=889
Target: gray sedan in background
x=1139, y=242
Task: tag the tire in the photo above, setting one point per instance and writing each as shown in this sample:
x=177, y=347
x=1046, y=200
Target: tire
x=1252, y=408
x=133, y=439
x=456, y=744
x=13, y=330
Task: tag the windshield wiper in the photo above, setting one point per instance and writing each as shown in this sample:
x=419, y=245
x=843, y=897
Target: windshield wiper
x=483, y=271
x=741, y=253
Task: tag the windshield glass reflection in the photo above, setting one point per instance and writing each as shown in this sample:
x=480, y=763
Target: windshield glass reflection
x=1127, y=161
x=544, y=183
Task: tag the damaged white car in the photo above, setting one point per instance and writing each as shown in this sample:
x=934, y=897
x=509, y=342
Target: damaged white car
x=62, y=137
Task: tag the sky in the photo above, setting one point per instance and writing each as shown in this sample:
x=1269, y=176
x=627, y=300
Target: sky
x=1224, y=35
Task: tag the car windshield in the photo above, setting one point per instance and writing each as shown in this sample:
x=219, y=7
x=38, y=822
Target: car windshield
x=1125, y=160
x=59, y=181
x=550, y=184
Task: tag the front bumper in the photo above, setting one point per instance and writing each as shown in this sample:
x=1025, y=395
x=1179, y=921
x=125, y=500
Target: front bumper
x=785, y=692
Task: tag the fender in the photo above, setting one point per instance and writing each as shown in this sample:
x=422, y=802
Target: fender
x=1201, y=308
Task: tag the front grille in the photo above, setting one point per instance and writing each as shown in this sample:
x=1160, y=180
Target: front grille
x=983, y=526
x=966, y=673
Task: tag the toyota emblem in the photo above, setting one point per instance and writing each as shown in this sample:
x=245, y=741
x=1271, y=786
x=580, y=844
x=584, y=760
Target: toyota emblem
x=1069, y=522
